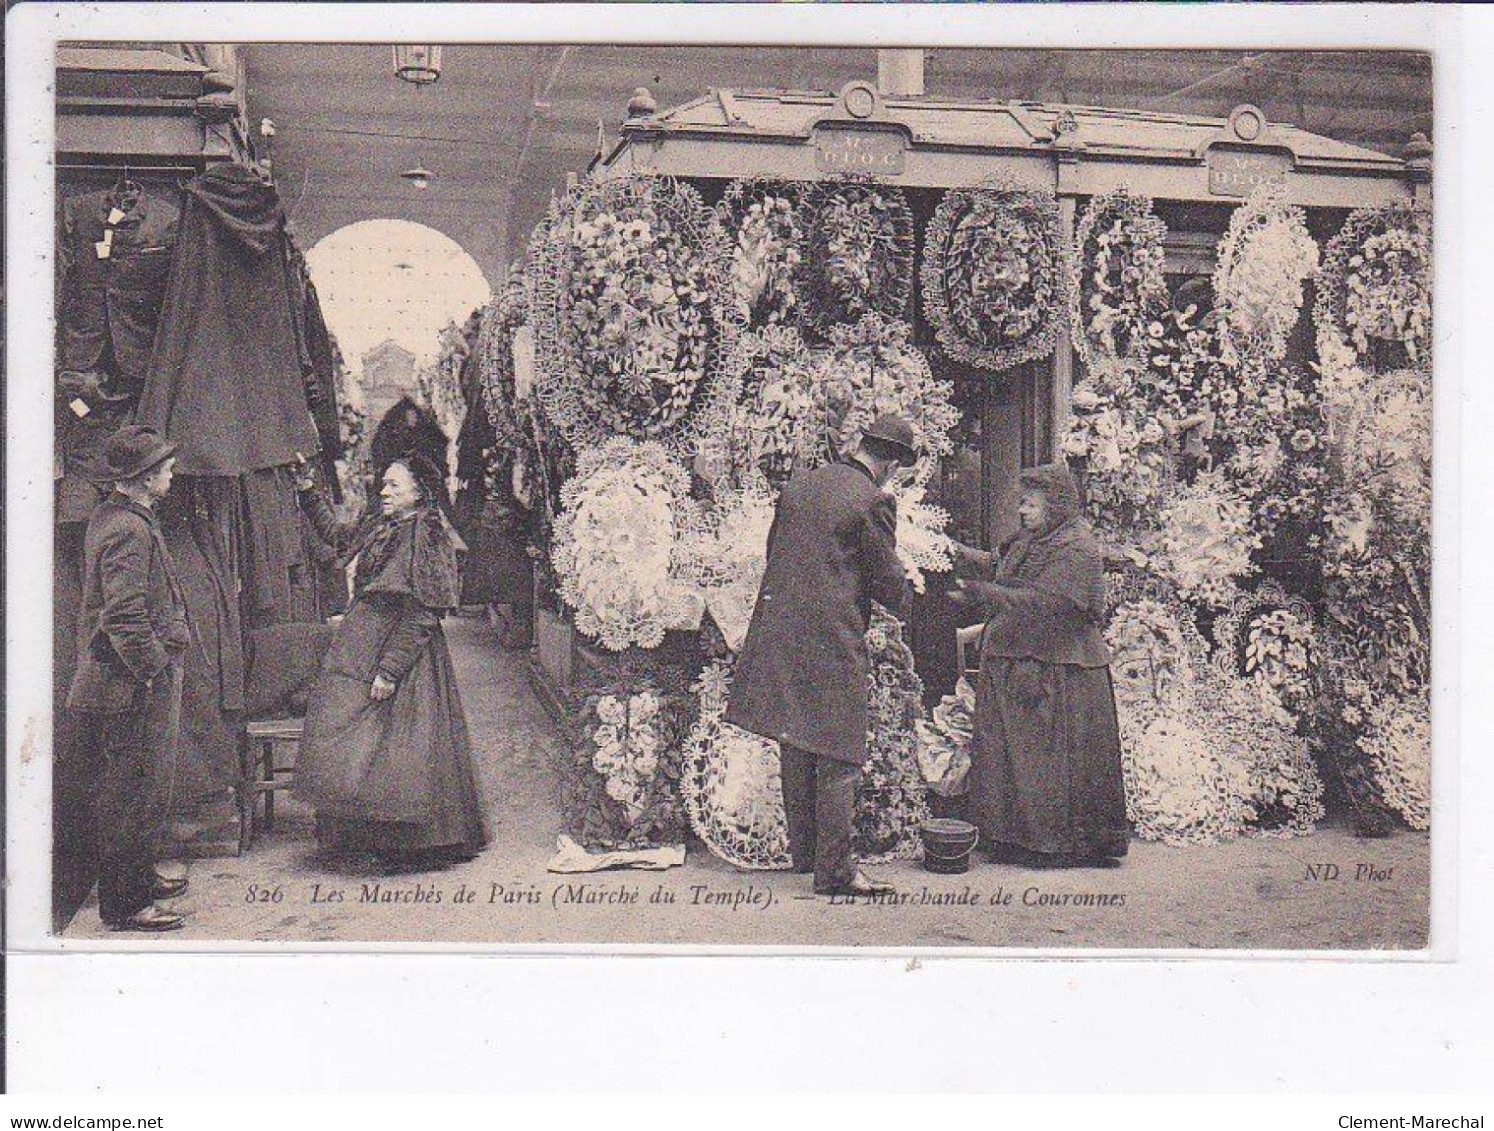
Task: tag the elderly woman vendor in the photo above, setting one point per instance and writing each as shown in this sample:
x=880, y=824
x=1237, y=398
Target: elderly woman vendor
x=1045, y=777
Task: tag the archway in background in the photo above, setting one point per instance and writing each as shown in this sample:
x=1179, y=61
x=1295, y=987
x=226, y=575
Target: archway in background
x=388, y=288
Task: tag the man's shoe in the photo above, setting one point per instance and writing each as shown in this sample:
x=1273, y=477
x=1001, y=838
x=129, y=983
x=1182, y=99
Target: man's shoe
x=150, y=919
x=168, y=889
x=860, y=885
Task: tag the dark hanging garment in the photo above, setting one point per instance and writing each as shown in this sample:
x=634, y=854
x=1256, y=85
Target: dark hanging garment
x=318, y=365
x=226, y=382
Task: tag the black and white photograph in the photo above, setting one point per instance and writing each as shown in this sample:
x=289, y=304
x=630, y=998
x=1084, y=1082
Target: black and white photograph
x=742, y=496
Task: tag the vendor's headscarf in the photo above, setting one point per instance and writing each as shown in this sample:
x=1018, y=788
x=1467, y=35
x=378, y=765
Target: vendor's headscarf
x=1062, y=556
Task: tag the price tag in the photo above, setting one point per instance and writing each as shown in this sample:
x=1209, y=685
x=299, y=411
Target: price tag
x=115, y=216
x=79, y=407
x=101, y=249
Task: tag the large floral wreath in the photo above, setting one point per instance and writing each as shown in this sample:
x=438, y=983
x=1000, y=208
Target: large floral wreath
x=859, y=254
x=1118, y=289
x=994, y=275
x=1375, y=290
x=616, y=543
x=1267, y=637
x=731, y=781
x=1264, y=259
x=777, y=421
x=508, y=407
x=762, y=220
x=630, y=335
x=1207, y=540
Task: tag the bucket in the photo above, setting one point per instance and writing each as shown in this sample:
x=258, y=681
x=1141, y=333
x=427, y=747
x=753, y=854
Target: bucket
x=947, y=845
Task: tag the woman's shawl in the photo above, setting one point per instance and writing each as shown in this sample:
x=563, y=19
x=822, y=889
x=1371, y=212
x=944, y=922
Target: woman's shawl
x=414, y=556
x=1049, y=585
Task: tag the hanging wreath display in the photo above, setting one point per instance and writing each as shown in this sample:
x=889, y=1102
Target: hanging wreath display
x=1266, y=638
x=508, y=411
x=762, y=220
x=629, y=335
x=1118, y=288
x=1121, y=450
x=620, y=785
x=871, y=367
x=726, y=554
x=858, y=257
x=994, y=275
x=615, y=545
x=1207, y=540
x=731, y=781
x=1265, y=258
x=1375, y=291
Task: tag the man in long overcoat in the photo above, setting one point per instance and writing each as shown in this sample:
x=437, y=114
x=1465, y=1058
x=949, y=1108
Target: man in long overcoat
x=131, y=636
x=803, y=675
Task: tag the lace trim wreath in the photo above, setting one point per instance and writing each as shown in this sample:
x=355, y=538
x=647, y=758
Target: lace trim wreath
x=1118, y=287
x=995, y=275
x=1207, y=540
x=629, y=333
x=726, y=554
x=858, y=258
x=508, y=411
x=1266, y=638
x=616, y=541
x=1264, y=259
x=1374, y=304
x=731, y=781
x=762, y=221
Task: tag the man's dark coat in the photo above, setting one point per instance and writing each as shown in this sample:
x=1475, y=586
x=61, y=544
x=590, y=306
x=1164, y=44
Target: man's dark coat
x=134, y=621
x=802, y=678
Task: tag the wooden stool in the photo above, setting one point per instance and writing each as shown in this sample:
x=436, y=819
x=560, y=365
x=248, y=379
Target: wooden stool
x=261, y=774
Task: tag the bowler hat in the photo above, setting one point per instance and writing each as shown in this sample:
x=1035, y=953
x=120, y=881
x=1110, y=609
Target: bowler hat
x=892, y=429
x=133, y=450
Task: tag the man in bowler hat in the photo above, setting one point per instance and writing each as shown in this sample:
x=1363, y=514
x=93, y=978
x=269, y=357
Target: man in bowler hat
x=802, y=678
x=132, y=633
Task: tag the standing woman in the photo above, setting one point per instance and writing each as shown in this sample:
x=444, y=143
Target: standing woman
x=385, y=758
x=1045, y=775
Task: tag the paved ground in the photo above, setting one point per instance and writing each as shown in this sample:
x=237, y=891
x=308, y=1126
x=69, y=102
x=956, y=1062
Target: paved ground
x=1244, y=894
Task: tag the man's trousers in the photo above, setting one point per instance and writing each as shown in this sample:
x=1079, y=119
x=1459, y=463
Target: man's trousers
x=819, y=800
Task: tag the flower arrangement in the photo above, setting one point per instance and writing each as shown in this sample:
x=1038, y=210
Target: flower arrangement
x=1207, y=540
x=1278, y=657
x=731, y=781
x=762, y=220
x=1396, y=737
x=615, y=545
x=858, y=258
x=922, y=544
x=870, y=368
x=1264, y=259
x=1374, y=300
x=508, y=410
x=944, y=740
x=1118, y=289
x=620, y=785
x=777, y=421
x=1123, y=455
x=995, y=275
x=628, y=332
x=726, y=554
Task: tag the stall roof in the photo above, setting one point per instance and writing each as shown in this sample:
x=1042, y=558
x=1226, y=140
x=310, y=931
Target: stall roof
x=785, y=115
x=124, y=59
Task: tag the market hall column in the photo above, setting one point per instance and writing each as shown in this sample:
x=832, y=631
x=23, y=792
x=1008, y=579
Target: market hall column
x=1067, y=148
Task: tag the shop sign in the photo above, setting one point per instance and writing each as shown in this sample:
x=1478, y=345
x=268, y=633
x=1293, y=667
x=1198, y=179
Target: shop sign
x=859, y=151
x=1233, y=172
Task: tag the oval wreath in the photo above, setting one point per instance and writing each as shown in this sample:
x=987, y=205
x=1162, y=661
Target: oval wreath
x=1375, y=288
x=859, y=254
x=995, y=275
x=507, y=411
x=1118, y=289
x=765, y=229
x=629, y=333
x=1265, y=258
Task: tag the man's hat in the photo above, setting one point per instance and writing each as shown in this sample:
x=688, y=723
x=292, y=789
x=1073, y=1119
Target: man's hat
x=133, y=450
x=892, y=429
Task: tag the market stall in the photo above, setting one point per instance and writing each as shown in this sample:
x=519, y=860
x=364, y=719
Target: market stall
x=1224, y=325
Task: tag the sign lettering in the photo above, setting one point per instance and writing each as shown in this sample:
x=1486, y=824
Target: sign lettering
x=858, y=151
x=1234, y=173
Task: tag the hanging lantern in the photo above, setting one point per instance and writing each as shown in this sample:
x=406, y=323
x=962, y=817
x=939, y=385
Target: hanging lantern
x=417, y=63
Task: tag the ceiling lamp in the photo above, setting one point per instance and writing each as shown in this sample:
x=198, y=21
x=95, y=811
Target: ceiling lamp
x=419, y=64
x=419, y=176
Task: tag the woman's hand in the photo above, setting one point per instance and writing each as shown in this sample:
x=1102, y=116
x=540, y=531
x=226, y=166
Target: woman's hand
x=381, y=688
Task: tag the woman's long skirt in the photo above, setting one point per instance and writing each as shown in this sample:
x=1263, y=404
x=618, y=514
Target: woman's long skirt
x=396, y=775
x=1045, y=770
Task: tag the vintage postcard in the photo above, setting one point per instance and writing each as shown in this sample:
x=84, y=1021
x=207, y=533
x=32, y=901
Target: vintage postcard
x=792, y=496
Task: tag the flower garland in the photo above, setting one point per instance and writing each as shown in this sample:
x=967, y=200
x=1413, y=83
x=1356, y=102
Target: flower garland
x=995, y=274
x=731, y=783
x=1118, y=289
x=859, y=254
x=615, y=545
x=1207, y=540
x=870, y=368
x=1375, y=293
x=1264, y=259
x=508, y=410
x=762, y=220
x=620, y=785
x=629, y=336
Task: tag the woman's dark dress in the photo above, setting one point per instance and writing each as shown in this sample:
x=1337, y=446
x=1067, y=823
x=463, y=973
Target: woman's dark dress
x=394, y=776
x=1045, y=760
